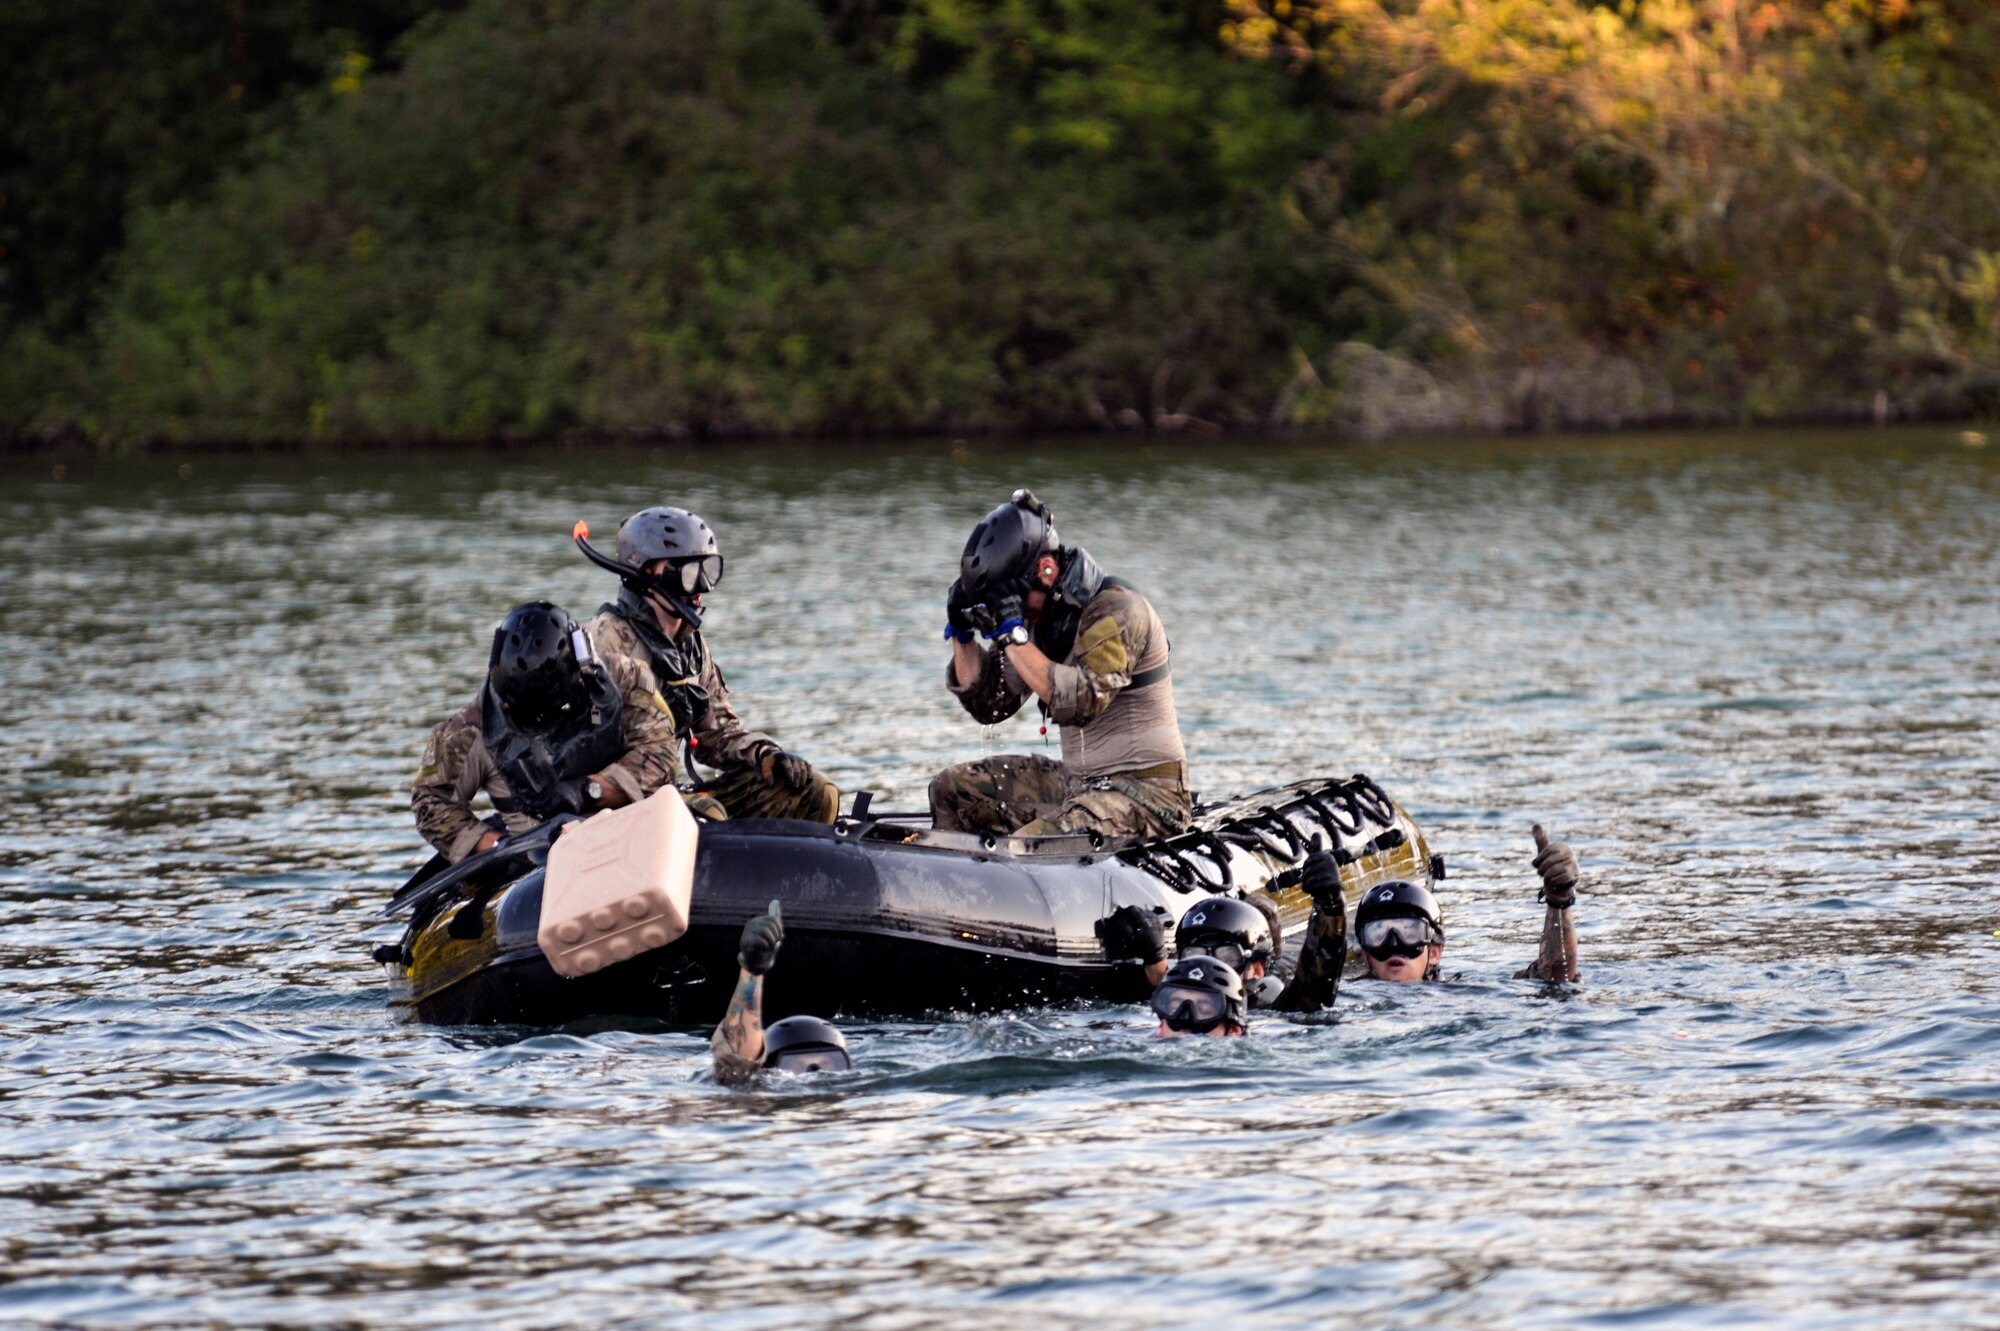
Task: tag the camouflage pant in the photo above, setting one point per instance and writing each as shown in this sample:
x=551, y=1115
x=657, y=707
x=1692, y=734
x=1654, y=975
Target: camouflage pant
x=1033, y=796
x=745, y=792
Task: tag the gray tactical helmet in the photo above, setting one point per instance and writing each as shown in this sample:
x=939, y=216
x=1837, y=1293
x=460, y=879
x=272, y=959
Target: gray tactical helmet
x=665, y=533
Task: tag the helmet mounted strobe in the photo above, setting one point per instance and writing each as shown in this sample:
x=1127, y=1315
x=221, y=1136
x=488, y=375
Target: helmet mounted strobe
x=1003, y=547
x=681, y=538
x=806, y=1044
x=537, y=664
x=1200, y=994
x=1398, y=919
x=1226, y=928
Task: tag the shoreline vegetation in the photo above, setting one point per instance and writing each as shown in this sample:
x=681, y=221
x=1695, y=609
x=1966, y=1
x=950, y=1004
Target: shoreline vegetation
x=386, y=223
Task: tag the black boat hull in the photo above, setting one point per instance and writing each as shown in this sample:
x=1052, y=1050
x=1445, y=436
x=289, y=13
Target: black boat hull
x=883, y=918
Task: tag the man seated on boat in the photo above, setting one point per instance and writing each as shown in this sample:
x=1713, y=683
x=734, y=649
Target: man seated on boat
x=742, y=1046
x=557, y=728
x=667, y=560
x=1201, y=996
x=1026, y=616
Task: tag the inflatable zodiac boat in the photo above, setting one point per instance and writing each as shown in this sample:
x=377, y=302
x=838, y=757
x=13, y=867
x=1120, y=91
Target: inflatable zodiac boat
x=884, y=915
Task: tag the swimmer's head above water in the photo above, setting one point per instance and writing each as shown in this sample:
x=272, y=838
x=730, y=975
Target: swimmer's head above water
x=1201, y=996
x=1401, y=932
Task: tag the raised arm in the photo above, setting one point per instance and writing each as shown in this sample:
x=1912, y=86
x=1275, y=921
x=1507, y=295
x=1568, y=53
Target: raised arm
x=1556, y=863
x=738, y=1043
x=1323, y=950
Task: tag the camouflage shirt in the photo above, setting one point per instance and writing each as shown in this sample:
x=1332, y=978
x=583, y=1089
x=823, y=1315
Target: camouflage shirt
x=719, y=736
x=1107, y=727
x=457, y=766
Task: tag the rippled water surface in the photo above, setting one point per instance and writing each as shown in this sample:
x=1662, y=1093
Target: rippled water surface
x=1754, y=679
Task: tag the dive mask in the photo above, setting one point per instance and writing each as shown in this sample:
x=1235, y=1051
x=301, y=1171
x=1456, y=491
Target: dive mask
x=1227, y=951
x=1197, y=1011
x=811, y=1058
x=1395, y=936
x=692, y=575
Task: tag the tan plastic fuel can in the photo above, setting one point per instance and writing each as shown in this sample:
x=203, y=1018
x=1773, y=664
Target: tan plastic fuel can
x=618, y=884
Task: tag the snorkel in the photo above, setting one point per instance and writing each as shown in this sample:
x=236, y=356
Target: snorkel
x=664, y=585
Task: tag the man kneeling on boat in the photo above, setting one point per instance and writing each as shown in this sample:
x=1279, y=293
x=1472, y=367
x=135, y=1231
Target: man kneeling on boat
x=667, y=560
x=556, y=729
x=1093, y=653
x=742, y=1045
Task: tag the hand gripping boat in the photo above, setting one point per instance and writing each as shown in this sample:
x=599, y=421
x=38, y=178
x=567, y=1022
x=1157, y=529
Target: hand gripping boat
x=884, y=915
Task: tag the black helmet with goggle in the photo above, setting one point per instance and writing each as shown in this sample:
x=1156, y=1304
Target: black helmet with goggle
x=1226, y=928
x=1200, y=994
x=681, y=539
x=536, y=667
x=1000, y=554
x=805, y=1044
x=1398, y=919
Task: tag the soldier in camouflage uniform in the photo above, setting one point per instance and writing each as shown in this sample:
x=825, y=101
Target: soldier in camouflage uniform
x=667, y=559
x=557, y=728
x=1093, y=653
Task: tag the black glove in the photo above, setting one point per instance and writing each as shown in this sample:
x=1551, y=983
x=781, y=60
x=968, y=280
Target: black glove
x=757, y=950
x=963, y=616
x=793, y=772
x=1557, y=865
x=1135, y=933
x=1264, y=991
x=787, y=769
x=1007, y=611
x=1319, y=876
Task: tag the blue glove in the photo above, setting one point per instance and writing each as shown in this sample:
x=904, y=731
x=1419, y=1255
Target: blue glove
x=964, y=616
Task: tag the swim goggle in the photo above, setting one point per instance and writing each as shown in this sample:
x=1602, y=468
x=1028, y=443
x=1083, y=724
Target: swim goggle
x=811, y=1058
x=1185, y=1008
x=1233, y=955
x=1395, y=936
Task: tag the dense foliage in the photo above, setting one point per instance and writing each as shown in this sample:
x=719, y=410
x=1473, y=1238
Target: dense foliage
x=660, y=216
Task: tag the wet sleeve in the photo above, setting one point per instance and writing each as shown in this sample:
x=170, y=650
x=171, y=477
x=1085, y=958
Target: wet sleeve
x=1315, y=979
x=448, y=778
x=1112, y=634
x=994, y=696
x=719, y=737
x=648, y=730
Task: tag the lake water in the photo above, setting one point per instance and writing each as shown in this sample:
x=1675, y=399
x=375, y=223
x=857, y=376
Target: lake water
x=1755, y=679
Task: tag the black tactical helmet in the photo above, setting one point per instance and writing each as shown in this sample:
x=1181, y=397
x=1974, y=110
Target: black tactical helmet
x=1003, y=547
x=805, y=1044
x=1200, y=994
x=1227, y=928
x=537, y=664
x=1397, y=900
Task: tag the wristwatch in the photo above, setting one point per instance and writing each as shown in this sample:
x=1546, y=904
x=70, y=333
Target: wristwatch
x=1013, y=637
x=593, y=790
